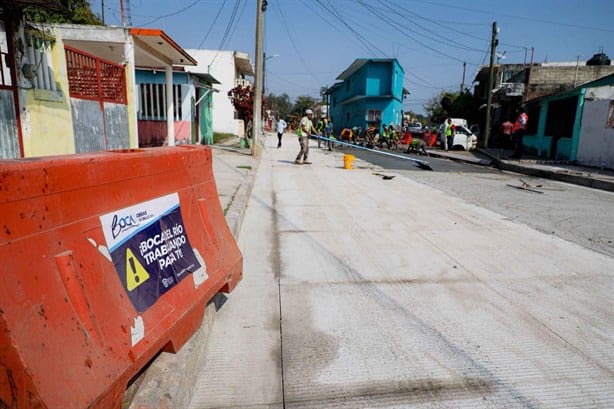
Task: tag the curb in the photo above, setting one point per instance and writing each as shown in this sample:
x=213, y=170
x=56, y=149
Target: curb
x=575, y=179
x=451, y=156
x=561, y=176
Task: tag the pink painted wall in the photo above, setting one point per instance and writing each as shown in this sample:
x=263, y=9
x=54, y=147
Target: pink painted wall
x=153, y=133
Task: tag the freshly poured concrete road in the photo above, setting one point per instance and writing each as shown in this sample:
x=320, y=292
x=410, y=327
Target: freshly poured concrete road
x=349, y=301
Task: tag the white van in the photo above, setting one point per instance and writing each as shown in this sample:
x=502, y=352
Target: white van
x=463, y=136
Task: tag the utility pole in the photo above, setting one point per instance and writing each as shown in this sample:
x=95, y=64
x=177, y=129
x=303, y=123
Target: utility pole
x=121, y=7
x=257, y=121
x=528, y=80
x=491, y=70
x=463, y=82
x=102, y=11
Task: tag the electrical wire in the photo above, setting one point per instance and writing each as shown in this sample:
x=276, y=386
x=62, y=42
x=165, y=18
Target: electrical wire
x=557, y=23
x=332, y=10
x=379, y=15
x=174, y=13
x=445, y=40
x=226, y=36
x=296, y=49
x=215, y=19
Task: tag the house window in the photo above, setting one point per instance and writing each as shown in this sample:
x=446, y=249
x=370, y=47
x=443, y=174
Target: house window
x=39, y=68
x=374, y=115
x=610, y=123
x=347, y=85
x=152, y=102
x=5, y=68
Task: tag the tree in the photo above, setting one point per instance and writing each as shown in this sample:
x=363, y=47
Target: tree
x=452, y=104
x=279, y=104
x=242, y=99
x=435, y=110
x=72, y=11
x=303, y=103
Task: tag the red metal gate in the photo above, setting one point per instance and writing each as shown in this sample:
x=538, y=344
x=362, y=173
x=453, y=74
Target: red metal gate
x=93, y=78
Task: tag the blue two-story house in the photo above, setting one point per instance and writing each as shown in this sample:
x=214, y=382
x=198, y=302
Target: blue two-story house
x=370, y=94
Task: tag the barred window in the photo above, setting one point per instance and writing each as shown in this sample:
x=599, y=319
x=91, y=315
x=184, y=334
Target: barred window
x=152, y=102
x=90, y=77
x=374, y=115
x=5, y=68
x=39, y=68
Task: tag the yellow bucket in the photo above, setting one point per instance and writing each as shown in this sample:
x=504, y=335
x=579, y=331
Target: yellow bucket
x=348, y=161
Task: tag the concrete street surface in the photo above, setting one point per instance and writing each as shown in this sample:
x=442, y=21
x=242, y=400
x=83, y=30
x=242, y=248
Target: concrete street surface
x=350, y=301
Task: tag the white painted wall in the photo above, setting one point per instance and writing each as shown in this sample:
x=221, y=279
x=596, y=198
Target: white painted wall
x=596, y=144
x=221, y=65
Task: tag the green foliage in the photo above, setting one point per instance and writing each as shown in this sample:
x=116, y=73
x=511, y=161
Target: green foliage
x=242, y=99
x=452, y=104
x=303, y=103
x=73, y=12
x=465, y=106
x=280, y=105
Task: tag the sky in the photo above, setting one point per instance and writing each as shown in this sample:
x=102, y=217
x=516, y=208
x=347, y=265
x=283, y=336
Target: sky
x=309, y=43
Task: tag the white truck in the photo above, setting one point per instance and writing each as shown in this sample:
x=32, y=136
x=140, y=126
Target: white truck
x=463, y=137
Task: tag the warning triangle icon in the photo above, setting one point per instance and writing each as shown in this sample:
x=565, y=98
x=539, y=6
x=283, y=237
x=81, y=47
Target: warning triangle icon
x=135, y=272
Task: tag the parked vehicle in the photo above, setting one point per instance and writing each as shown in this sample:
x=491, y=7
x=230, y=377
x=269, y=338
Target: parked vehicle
x=463, y=137
x=415, y=128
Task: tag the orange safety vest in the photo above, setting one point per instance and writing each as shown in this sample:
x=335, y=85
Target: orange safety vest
x=521, y=122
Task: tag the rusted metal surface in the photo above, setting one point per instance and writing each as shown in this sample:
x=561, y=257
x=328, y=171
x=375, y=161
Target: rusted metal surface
x=116, y=126
x=9, y=143
x=88, y=125
x=98, y=102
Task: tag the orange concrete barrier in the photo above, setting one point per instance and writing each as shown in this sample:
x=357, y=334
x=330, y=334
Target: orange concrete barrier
x=107, y=258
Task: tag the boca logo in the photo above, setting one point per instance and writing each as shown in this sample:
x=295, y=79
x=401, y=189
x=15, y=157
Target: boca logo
x=119, y=225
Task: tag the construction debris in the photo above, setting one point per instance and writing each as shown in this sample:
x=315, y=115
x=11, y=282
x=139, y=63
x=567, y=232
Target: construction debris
x=525, y=186
x=385, y=177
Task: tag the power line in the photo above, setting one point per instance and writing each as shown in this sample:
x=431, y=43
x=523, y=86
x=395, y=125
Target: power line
x=174, y=13
x=226, y=36
x=378, y=15
x=557, y=23
x=331, y=9
x=298, y=53
x=445, y=40
x=234, y=29
x=212, y=24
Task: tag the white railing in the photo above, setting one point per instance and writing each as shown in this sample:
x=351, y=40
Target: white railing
x=242, y=82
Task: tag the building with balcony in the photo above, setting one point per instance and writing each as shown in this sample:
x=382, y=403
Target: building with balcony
x=370, y=93
x=229, y=68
